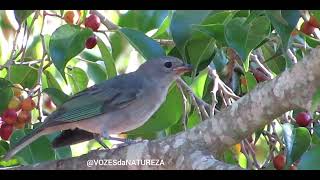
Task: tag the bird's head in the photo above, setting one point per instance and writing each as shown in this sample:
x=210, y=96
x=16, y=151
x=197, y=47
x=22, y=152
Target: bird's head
x=167, y=68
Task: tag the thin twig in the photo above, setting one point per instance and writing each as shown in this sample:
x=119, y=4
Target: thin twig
x=200, y=105
x=292, y=56
x=244, y=151
x=36, y=15
x=184, y=110
x=264, y=69
x=165, y=42
x=253, y=154
x=214, y=91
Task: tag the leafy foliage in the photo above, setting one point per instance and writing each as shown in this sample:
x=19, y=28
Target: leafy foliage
x=222, y=41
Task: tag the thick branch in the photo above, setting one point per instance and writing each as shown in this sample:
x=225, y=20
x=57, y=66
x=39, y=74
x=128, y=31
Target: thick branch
x=292, y=89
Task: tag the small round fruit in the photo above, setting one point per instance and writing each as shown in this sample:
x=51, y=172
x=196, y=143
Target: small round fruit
x=293, y=167
x=91, y=42
x=259, y=75
x=303, y=119
x=14, y=103
x=69, y=17
x=9, y=116
x=236, y=149
x=24, y=117
x=93, y=22
x=279, y=161
x=306, y=28
x=19, y=125
x=28, y=104
x=17, y=90
x=314, y=22
x=48, y=104
x=6, y=131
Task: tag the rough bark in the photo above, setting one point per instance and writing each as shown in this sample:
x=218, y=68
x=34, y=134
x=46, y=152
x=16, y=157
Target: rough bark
x=197, y=147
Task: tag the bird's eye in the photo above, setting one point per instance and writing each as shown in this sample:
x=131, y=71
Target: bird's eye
x=168, y=64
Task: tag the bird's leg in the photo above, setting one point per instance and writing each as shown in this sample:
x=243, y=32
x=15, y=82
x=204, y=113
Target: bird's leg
x=98, y=138
x=125, y=142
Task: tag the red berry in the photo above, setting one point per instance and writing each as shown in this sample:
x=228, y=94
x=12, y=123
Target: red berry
x=28, y=104
x=93, y=22
x=314, y=22
x=303, y=119
x=24, y=117
x=306, y=28
x=91, y=42
x=279, y=161
x=259, y=75
x=49, y=104
x=9, y=116
x=6, y=131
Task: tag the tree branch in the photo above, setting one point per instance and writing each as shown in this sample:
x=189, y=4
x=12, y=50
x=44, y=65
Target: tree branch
x=269, y=100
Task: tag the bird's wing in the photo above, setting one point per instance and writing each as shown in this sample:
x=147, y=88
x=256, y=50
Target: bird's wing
x=94, y=101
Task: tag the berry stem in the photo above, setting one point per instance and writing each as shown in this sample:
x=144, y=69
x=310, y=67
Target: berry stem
x=110, y=25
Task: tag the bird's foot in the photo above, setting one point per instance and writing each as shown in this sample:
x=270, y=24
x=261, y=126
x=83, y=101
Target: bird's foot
x=126, y=142
x=100, y=141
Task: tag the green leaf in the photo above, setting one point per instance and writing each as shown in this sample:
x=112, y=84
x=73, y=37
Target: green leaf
x=312, y=42
x=66, y=42
x=57, y=96
x=193, y=120
x=297, y=141
x=315, y=100
x=6, y=94
x=142, y=20
x=229, y=157
x=200, y=48
x=245, y=37
x=108, y=59
x=251, y=81
x=21, y=15
x=168, y=114
x=219, y=61
x=219, y=18
x=38, y=151
x=283, y=21
x=77, y=79
x=4, y=147
x=164, y=26
x=254, y=14
x=316, y=129
x=96, y=73
x=62, y=152
x=181, y=29
x=198, y=83
x=91, y=56
x=278, y=64
x=242, y=160
x=51, y=81
x=214, y=30
x=24, y=75
x=146, y=46
x=311, y=159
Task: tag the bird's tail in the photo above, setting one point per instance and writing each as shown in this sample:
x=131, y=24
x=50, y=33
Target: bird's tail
x=26, y=140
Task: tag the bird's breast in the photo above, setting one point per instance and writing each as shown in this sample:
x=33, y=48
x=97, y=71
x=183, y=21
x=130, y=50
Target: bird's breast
x=137, y=113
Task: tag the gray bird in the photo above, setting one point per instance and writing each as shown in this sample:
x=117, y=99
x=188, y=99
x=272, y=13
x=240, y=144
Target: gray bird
x=118, y=105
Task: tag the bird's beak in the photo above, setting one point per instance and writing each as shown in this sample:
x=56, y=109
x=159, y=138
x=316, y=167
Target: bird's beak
x=182, y=69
